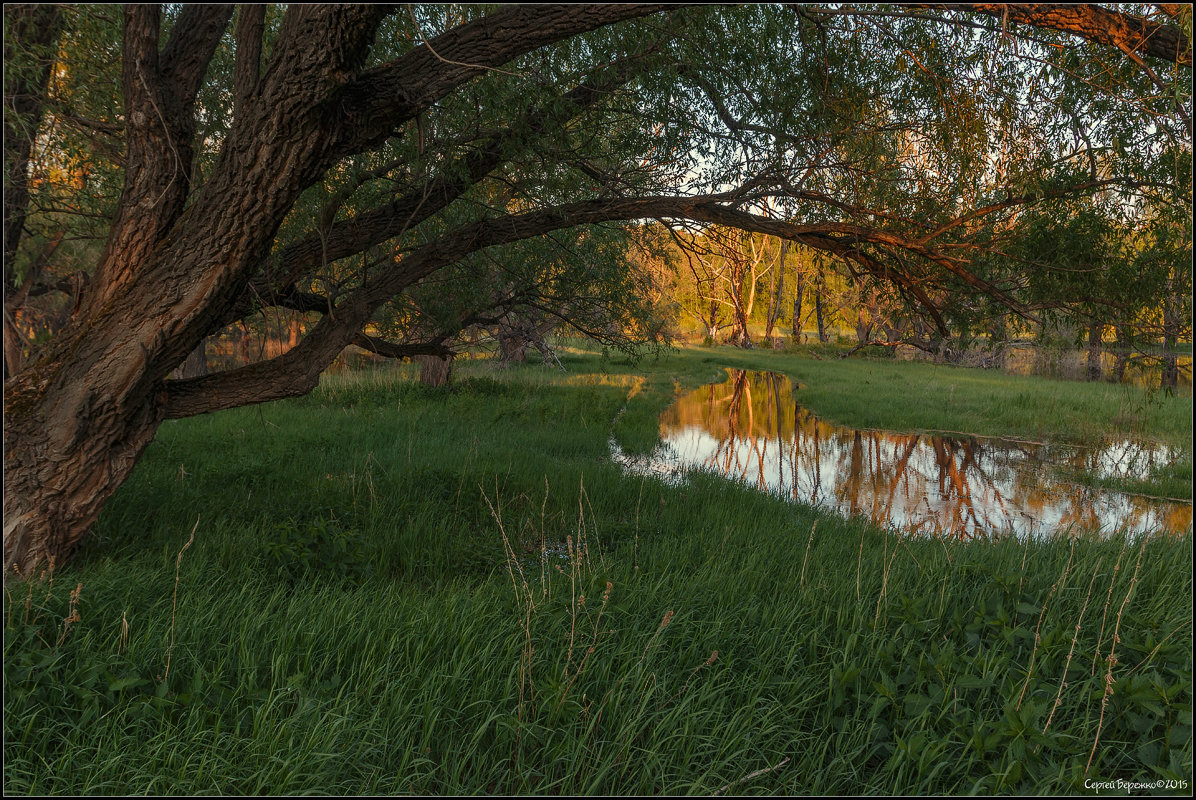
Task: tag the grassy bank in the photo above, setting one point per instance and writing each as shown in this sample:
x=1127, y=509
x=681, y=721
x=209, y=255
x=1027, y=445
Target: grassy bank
x=392, y=589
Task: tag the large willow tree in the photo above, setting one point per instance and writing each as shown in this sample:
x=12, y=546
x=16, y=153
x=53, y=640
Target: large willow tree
x=374, y=164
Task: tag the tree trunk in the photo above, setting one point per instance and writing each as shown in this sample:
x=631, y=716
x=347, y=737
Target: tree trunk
x=865, y=319
x=196, y=363
x=512, y=346
x=799, y=288
x=77, y=421
x=778, y=288
x=1095, y=330
x=293, y=331
x=14, y=350
x=434, y=370
x=1172, y=322
x=1170, y=377
x=68, y=450
x=1122, y=353
x=822, y=334
x=712, y=322
x=740, y=336
x=998, y=334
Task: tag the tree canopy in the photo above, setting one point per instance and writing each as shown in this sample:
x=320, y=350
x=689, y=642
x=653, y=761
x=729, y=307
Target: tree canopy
x=404, y=172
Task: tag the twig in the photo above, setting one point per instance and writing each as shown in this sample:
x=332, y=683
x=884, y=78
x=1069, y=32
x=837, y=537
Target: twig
x=755, y=774
x=428, y=45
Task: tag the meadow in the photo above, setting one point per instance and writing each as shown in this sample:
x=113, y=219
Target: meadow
x=383, y=588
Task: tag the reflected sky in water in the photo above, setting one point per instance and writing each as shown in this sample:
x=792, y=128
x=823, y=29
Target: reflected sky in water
x=750, y=428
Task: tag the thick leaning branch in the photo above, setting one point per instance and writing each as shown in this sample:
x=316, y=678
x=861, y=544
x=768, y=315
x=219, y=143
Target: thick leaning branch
x=369, y=228
x=1092, y=22
x=251, y=26
x=297, y=371
x=160, y=90
x=382, y=99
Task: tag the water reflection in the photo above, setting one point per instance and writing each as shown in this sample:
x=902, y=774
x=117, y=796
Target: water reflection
x=749, y=428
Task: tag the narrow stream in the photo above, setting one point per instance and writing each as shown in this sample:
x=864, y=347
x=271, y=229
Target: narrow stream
x=750, y=429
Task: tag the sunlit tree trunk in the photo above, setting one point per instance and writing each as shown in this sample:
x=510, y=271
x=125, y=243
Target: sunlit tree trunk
x=798, y=291
x=818, y=285
x=777, y=286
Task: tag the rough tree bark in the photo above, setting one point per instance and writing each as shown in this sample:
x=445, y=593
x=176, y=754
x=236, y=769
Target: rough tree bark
x=78, y=419
x=1092, y=22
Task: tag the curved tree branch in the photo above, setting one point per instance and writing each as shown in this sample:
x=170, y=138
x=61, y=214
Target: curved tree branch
x=1091, y=22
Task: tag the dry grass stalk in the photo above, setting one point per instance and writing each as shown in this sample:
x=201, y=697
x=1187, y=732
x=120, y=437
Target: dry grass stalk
x=544, y=574
x=72, y=614
x=635, y=550
x=590, y=648
x=46, y=574
x=1025, y=551
x=573, y=575
x=1108, y=599
x=664, y=623
x=527, y=650
x=1059, y=584
x=1112, y=659
x=694, y=671
x=913, y=557
x=884, y=585
x=1071, y=650
x=943, y=593
x=174, y=603
x=594, y=528
x=807, y=555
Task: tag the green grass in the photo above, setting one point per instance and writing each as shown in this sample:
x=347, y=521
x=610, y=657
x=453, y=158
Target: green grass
x=394, y=590
x=917, y=396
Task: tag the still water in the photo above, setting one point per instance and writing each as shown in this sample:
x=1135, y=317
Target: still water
x=749, y=428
